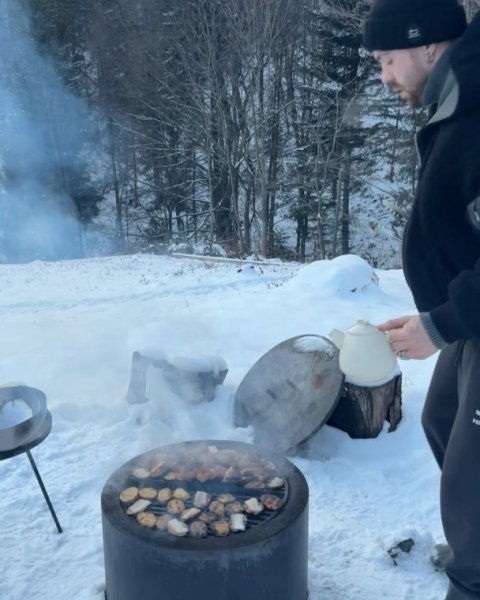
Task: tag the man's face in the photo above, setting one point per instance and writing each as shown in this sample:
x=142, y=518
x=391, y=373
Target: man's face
x=405, y=71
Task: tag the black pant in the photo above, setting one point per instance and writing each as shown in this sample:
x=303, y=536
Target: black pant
x=451, y=420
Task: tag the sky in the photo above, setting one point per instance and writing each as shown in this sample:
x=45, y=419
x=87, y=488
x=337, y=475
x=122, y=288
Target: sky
x=69, y=328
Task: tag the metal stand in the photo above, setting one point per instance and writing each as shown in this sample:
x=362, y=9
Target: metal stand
x=44, y=431
x=44, y=491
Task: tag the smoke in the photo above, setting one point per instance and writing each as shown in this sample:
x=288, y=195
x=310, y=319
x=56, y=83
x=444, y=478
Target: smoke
x=43, y=129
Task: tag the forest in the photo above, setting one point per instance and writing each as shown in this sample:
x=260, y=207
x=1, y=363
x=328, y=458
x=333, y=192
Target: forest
x=243, y=127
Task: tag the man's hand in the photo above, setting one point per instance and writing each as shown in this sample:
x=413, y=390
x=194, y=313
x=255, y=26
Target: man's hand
x=408, y=337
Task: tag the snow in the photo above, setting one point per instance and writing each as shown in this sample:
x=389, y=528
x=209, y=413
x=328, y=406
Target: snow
x=69, y=329
x=14, y=412
x=312, y=343
x=199, y=364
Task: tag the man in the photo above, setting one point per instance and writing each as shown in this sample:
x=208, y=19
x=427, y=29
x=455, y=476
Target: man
x=430, y=57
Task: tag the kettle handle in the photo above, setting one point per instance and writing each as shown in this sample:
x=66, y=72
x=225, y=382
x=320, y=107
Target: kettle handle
x=337, y=337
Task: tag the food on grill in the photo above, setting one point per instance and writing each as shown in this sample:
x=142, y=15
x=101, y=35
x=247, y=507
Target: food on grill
x=226, y=498
x=138, y=506
x=201, y=499
x=268, y=464
x=164, y=495
x=207, y=517
x=187, y=474
x=234, y=507
x=253, y=472
x=220, y=528
x=176, y=527
x=140, y=473
x=253, y=506
x=250, y=484
x=175, y=506
x=162, y=521
x=189, y=514
x=146, y=519
x=181, y=494
x=238, y=522
x=129, y=494
x=217, y=508
x=232, y=474
x=226, y=456
x=206, y=463
x=219, y=471
x=159, y=466
x=276, y=483
x=255, y=485
x=148, y=493
x=198, y=529
x=270, y=501
x=205, y=474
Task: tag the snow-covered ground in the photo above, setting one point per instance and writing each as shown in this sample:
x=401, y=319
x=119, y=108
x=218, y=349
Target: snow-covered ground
x=69, y=328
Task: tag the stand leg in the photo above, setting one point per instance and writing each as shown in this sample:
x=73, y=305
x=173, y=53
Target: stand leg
x=44, y=491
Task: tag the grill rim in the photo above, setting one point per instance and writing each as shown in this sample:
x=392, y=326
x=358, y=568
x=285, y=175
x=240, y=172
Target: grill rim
x=293, y=507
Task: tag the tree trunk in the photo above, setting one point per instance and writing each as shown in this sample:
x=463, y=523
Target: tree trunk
x=345, y=229
x=362, y=411
x=116, y=186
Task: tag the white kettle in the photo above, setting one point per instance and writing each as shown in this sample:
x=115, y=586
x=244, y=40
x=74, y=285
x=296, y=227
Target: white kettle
x=366, y=356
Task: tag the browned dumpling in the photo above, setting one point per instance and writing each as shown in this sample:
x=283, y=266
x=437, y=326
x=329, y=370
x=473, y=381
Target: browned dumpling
x=234, y=507
x=148, y=493
x=162, y=521
x=220, y=528
x=271, y=502
x=217, y=508
x=164, y=495
x=225, y=498
x=198, y=529
x=207, y=517
x=140, y=473
x=175, y=506
x=129, y=494
x=181, y=494
x=146, y=519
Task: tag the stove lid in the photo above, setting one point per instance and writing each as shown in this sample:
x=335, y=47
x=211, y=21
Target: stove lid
x=290, y=392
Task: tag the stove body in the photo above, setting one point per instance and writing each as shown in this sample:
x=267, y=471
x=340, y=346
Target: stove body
x=267, y=561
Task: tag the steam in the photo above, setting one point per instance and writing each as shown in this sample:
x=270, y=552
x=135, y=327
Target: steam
x=43, y=128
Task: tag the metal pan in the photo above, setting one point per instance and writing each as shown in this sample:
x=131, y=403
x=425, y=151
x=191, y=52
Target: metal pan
x=290, y=392
x=17, y=435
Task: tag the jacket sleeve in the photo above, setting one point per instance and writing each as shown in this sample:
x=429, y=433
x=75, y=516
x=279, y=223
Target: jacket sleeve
x=459, y=317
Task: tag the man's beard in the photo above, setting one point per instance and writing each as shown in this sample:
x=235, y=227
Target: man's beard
x=412, y=97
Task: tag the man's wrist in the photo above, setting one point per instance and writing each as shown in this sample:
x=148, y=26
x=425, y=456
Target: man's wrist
x=432, y=332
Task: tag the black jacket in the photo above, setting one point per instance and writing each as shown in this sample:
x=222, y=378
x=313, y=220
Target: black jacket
x=441, y=250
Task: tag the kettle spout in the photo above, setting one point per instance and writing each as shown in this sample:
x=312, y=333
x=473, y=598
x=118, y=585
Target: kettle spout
x=337, y=337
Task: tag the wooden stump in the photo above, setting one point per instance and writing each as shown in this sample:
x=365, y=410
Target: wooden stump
x=190, y=384
x=362, y=411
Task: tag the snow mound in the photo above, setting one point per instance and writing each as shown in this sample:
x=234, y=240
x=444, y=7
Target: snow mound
x=344, y=275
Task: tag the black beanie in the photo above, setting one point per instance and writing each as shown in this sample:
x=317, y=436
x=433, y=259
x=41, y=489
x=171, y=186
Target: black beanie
x=398, y=24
